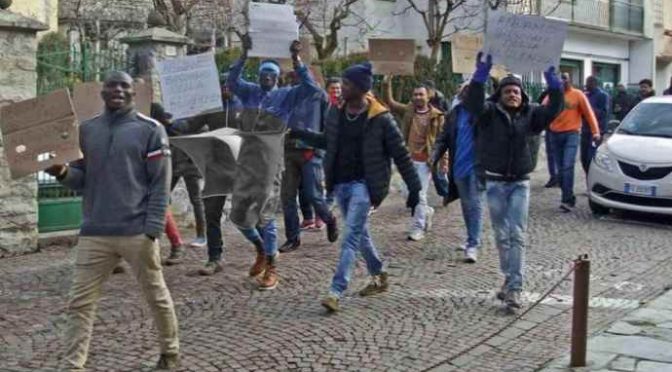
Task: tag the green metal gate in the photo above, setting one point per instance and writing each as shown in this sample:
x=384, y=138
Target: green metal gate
x=59, y=208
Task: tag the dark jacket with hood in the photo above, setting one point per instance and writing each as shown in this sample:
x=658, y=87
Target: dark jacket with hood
x=382, y=142
x=447, y=141
x=503, y=150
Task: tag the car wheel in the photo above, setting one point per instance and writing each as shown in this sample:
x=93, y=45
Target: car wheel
x=598, y=210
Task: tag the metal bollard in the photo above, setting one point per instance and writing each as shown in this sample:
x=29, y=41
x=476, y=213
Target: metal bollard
x=580, y=311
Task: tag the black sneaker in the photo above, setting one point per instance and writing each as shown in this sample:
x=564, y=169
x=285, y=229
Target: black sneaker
x=290, y=246
x=332, y=230
x=566, y=207
x=168, y=362
x=553, y=182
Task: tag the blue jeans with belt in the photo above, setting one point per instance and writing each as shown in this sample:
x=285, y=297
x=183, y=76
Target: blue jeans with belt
x=354, y=201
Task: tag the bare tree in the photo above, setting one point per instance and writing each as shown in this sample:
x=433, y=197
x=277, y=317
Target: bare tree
x=443, y=18
x=176, y=14
x=324, y=19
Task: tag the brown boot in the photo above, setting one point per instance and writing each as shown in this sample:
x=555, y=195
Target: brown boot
x=270, y=278
x=260, y=262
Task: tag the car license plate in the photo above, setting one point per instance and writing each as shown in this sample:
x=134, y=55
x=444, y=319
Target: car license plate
x=645, y=190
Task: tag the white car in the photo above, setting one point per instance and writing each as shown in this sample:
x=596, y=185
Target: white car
x=632, y=170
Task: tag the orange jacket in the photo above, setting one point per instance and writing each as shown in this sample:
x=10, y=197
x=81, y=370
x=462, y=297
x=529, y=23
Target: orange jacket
x=576, y=107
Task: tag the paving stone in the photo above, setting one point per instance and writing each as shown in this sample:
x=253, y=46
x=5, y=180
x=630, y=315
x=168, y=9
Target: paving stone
x=663, y=302
x=633, y=346
x=646, y=366
x=649, y=317
x=623, y=328
x=623, y=364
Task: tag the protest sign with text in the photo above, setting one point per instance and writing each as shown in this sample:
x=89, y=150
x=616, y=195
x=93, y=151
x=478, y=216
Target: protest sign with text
x=273, y=28
x=392, y=56
x=524, y=43
x=190, y=85
x=40, y=132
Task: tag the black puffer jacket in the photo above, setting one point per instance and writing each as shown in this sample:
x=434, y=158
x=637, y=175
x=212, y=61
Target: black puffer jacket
x=382, y=142
x=502, y=143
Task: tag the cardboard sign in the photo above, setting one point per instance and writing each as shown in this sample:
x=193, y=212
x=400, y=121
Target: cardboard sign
x=88, y=103
x=40, y=132
x=190, y=85
x=464, y=49
x=392, y=56
x=524, y=43
x=273, y=27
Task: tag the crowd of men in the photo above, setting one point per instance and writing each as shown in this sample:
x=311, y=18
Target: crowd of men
x=340, y=144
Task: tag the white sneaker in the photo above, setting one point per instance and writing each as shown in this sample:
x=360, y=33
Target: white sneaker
x=461, y=248
x=428, y=219
x=416, y=235
x=471, y=255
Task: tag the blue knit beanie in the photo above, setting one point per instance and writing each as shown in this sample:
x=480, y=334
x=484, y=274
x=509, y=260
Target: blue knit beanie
x=270, y=65
x=360, y=75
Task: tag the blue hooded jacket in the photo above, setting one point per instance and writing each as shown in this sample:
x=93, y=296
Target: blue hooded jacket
x=279, y=102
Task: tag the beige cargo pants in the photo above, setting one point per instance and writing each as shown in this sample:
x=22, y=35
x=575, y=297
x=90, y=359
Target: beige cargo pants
x=96, y=257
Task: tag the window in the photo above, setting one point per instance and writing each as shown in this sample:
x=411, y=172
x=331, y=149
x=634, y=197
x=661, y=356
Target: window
x=608, y=74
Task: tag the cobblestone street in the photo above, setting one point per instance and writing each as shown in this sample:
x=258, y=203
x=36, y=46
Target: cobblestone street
x=437, y=305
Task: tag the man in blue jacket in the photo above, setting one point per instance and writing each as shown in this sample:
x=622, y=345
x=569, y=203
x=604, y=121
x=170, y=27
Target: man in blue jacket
x=599, y=101
x=124, y=177
x=266, y=107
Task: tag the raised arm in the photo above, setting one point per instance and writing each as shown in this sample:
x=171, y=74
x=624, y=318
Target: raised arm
x=239, y=86
x=307, y=85
x=396, y=107
x=545, y=114
x=475, y=101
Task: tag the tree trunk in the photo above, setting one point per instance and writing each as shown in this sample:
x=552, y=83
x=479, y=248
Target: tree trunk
x=435, y=47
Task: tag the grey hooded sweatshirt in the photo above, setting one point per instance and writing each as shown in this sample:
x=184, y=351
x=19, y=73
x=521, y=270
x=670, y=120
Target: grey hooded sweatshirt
x=124, y=175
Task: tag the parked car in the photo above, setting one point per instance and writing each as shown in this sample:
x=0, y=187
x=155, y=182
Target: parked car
x=632, y=169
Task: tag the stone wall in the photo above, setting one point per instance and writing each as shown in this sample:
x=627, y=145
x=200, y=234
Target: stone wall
x=18, y=199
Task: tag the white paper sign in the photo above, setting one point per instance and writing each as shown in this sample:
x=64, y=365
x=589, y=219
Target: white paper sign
x=190, y=85
x=273, y=27
x=524, y=43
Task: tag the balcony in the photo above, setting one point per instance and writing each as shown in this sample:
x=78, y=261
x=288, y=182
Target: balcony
x=623, y=16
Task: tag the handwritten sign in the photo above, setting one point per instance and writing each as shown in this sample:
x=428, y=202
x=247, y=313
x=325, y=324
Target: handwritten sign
x=88, y=103
x=190, y=85
x=273, y=28
x=392, y=56
x=524, y=43
x=40, y=132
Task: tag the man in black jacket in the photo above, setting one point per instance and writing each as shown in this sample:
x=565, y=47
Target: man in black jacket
x=360, y=138
x=504, y=123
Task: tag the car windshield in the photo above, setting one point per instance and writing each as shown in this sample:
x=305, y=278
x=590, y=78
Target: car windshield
x=648, y=119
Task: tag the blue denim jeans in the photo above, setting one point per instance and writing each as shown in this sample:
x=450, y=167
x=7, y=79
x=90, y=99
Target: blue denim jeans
x=566, y=146
x=509, y=204
x=354, y=201
x=307, y=175
x=550, y=155
x=268, y=233
x=471, y=199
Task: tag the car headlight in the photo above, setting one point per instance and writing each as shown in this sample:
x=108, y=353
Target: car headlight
x=603, y=160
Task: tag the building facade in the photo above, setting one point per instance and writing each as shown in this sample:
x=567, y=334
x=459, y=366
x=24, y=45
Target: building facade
x=663, y=43
x=45, y=11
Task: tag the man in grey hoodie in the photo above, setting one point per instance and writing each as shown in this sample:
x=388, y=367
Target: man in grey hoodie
x=124, y=178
